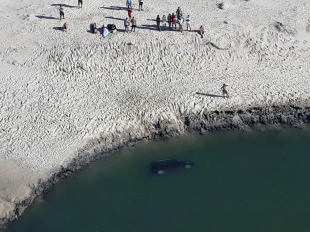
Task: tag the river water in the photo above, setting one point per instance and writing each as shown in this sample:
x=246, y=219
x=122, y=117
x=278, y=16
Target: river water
x=241, y=181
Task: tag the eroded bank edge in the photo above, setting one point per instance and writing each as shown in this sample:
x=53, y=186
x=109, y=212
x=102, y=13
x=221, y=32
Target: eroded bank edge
x=229, y=119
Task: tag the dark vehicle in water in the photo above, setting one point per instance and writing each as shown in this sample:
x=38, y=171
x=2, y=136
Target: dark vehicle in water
x=162, y=165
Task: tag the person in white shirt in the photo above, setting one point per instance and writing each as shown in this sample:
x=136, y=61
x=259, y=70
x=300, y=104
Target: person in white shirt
x=105, y=31
x=164, y=20
x=188, y=23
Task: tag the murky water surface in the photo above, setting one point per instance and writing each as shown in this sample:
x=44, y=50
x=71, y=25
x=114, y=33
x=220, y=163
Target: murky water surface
x=253, y=181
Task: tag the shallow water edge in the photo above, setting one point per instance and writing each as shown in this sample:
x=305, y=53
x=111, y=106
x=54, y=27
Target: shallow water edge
x=261, y=118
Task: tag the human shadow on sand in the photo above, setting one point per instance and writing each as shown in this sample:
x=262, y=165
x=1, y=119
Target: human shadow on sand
x=64, y=5
x=148, y=27
x=210, y=95
x=110, y=17
x=123, y=30
x=58, y=28
x=45, y=17
x=114, y=8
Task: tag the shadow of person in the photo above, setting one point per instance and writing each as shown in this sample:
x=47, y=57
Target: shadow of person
x=64, y=5
x=148, y=27
x=111, y=17
x=45, y=17
x=210, y=95
x=58, y=28
x=114, y=8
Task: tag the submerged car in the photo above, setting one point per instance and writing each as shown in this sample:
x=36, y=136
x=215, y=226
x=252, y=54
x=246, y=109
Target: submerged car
x=162, y=165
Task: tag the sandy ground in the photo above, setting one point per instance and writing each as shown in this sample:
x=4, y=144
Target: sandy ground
x=59, y=90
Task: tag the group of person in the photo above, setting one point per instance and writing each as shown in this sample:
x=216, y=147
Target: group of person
x=174, y=19
x=62, y=12
x=129, y=4
x=130, y=21
x=170, y=21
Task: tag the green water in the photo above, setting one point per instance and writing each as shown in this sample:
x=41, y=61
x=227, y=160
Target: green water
x=253, y=181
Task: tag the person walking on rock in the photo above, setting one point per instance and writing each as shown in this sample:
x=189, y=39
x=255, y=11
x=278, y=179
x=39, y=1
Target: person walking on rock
x=80, y=3
x=133, y=24
x=61, y=12
x=223, y=88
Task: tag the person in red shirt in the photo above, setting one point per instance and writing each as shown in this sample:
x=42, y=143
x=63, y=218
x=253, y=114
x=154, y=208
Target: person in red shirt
x=129, y=12
x=174, y=20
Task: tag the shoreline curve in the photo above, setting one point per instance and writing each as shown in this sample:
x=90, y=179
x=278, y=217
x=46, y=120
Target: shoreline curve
x=291, y=115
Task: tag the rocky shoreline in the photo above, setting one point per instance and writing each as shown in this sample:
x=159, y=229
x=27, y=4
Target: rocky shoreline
x=292, y=115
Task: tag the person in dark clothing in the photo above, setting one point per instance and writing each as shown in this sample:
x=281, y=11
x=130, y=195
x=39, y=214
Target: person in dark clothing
x=169, y=20
x=61, y=12
x=158, y=23
x=111, y=28
x=140, y=5
x=179, y=11
x=80, y=3
x=223, y=88
x=201, y=31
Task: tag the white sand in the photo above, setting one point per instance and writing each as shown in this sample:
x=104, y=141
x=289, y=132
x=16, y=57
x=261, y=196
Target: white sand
x=59, y=90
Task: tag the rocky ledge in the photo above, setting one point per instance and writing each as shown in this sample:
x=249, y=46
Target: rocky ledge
x=240, y=119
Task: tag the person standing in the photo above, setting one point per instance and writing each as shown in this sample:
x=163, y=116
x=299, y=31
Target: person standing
x=126, y=24
x=129, y=12
x=223, y=88
x=128, y=3
x=169, y=20
x=188, y=23
x=80, y=3
x=133, y=24
x=174, y=21
x=201, y=31
x=180, y=22
x=61, y=12
x=140, y=5
x=179, y=11
x=164, y=21
x=158, y=22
